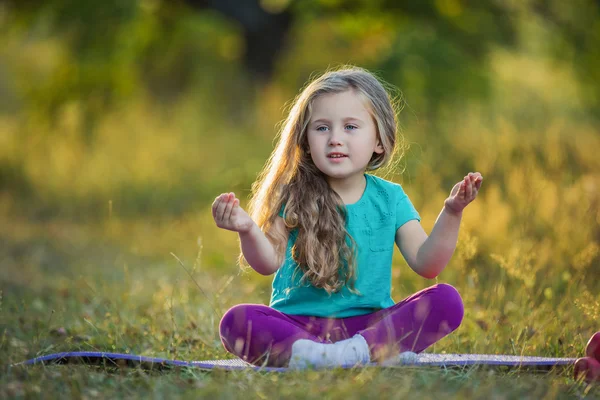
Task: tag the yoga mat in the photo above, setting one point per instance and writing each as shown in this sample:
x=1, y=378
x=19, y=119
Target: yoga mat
x=422, y=360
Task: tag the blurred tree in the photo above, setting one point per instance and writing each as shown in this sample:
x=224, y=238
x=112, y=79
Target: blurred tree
x=578, y=26
x=265, y=25
x=114, y=48
x=97, y=66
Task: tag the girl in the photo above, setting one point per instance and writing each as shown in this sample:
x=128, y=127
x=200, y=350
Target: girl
x=326, y=229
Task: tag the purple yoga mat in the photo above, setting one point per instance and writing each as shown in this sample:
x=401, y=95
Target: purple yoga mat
x=423, y=359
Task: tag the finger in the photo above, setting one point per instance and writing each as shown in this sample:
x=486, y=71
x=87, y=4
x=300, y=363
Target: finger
x=215, y=205
x=236, y=205
x=461, y=192
x=227, y=213
x=455, y=189
x=222, y=206
x=472, y=177
x=468, y=188
x=478, y=182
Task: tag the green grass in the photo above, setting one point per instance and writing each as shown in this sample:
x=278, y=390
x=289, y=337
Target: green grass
x=83, y=287
x=369, y=383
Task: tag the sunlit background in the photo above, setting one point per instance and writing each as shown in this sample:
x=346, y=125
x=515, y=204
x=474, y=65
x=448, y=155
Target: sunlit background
x=122, y=120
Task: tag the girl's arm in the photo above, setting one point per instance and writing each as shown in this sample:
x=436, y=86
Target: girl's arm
x=259, y=251
x=256, y=247
x=429, y=255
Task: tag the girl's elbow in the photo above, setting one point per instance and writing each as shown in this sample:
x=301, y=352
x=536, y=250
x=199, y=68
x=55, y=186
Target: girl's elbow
x=430, y=268
x=266, y=270
x=429, y=274
x=430, y=271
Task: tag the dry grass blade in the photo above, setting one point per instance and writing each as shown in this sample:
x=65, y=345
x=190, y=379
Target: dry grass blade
x=214, y=309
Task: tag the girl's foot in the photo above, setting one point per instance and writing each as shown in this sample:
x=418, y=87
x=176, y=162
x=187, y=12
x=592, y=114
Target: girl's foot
x=593, y=347
x=589, y=368
x=345, y=353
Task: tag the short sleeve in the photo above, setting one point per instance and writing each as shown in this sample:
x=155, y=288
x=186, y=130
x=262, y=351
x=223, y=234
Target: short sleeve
x=405, y=211
x=281, y=211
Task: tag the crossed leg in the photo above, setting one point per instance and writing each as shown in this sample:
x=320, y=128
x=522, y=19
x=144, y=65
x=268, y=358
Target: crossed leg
x=415, y=323
x=264, y=336
x=261, y=335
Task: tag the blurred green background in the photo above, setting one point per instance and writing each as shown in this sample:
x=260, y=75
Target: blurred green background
x=122, y=120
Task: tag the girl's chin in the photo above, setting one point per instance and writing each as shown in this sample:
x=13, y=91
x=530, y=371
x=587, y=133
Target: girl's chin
x=341, y=176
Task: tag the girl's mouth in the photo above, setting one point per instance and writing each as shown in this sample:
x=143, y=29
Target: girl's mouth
x=336, y=158
x=336, y=155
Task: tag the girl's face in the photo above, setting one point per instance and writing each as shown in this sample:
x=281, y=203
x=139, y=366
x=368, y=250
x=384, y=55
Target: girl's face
x=342, y=135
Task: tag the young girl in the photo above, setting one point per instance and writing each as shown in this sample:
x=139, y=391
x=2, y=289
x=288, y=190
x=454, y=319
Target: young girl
x=327, y=230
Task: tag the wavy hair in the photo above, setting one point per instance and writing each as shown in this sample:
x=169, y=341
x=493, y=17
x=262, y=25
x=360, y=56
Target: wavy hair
x=324, y=250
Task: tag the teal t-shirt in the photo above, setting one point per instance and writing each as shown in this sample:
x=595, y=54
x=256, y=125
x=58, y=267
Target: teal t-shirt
x=372, y=221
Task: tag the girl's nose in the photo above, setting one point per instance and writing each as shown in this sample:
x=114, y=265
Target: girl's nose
x=335, y=137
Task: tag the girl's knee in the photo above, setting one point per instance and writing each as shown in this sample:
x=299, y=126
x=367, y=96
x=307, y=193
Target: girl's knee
x=449, y=293
x=233, y=320
x=229, y=317
x=233, y=328
x=244, y=331
x=451, y=303
x=237, y=318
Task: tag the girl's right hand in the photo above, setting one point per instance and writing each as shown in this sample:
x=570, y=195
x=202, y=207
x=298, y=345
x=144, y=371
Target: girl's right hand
x=229, y=215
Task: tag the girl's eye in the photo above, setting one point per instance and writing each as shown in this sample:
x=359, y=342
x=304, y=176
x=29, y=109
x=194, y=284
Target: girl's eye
x=321, y=128
x=351, y=127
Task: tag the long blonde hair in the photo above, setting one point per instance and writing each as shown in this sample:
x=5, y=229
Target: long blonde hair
x=290, y=179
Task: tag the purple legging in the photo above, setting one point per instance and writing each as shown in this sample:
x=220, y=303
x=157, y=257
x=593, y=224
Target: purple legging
x=264, y=336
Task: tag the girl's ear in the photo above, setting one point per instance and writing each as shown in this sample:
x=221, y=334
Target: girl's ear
x=378, y=148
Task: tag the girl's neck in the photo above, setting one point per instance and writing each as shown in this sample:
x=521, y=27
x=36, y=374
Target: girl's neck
x=349, y=189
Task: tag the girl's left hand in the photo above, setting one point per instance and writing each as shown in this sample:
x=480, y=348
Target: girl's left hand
x=464, y=192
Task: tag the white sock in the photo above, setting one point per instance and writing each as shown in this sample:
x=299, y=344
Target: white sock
x=345, y=353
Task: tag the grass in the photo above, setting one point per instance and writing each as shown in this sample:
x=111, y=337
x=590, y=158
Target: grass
x=405, y=383
x=68, y=287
